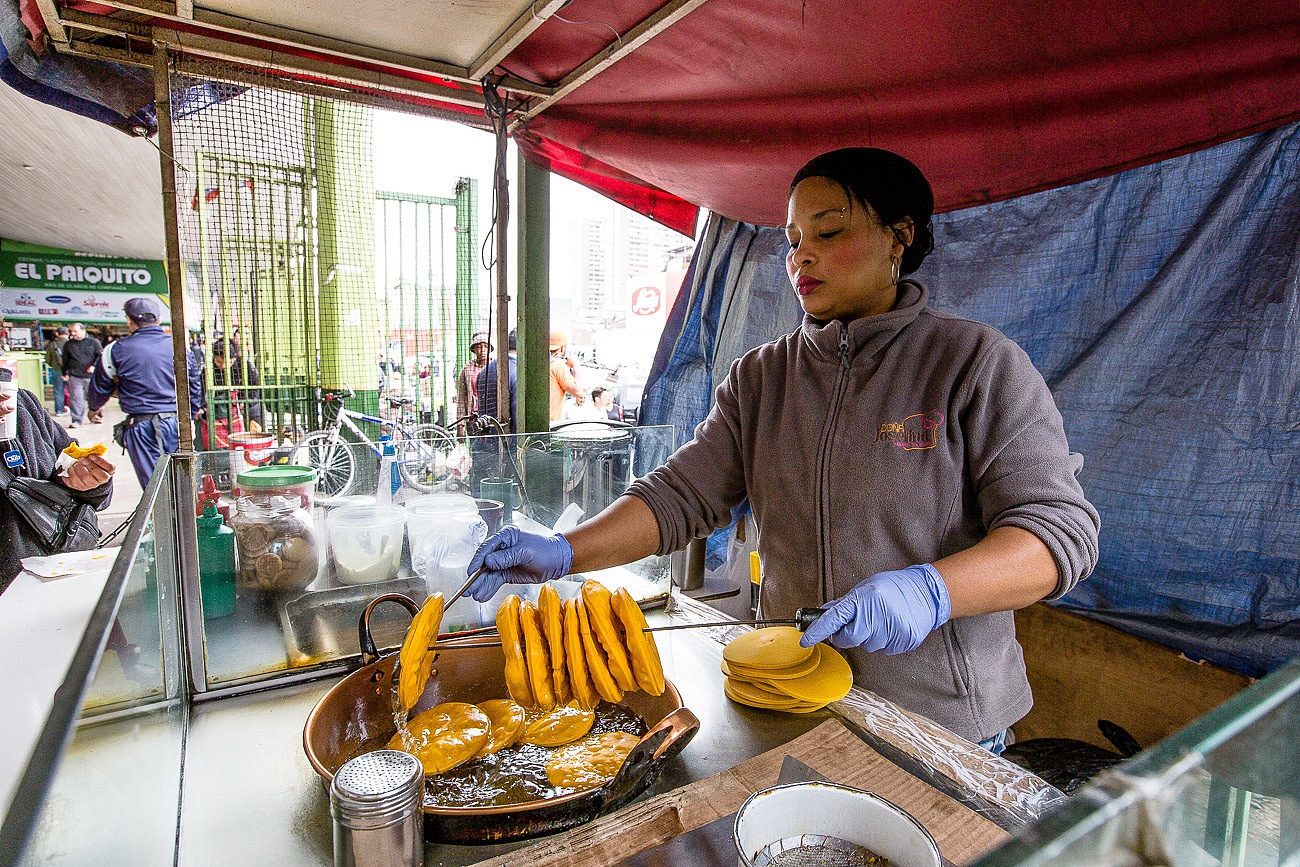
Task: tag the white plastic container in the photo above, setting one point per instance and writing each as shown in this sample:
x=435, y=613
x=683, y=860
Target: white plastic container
x=367, y=542
x=445, y=530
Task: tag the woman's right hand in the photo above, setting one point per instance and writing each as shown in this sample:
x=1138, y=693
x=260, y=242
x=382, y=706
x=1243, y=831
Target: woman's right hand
x=512, y=556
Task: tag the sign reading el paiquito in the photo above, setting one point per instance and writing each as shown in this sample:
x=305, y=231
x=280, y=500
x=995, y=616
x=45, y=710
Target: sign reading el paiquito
x=65, y=287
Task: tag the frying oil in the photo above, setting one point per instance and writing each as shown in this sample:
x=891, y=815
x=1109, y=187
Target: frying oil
x=513, y=775
x=401, y=716
x=516, y=774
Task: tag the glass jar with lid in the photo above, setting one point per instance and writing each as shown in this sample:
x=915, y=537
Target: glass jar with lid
x=278, y=481
x=274, y=531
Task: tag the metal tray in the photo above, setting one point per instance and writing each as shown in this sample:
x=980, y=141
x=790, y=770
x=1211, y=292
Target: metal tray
x=322, y=624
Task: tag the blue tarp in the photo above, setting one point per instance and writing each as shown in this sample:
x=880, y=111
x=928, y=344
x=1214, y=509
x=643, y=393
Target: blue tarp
x=111, y=93
x=1162, y=305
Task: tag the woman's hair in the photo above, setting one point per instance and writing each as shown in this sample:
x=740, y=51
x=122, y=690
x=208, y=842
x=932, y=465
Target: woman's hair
x=890, y=184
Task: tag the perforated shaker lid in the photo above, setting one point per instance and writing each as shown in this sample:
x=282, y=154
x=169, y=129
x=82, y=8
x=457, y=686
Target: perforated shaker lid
x=376, y=788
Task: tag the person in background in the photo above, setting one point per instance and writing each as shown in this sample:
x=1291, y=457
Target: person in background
x=908, y=469
x=33, y=453
x=485, y=452
x=487, y=386
x=139, y=368
x=54, y=364
x=563, y=378
x=467, y=380
x=244, y=399
x=79, y=356
x=603, y=400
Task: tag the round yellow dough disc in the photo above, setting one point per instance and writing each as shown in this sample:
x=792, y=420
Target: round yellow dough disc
x=417, y=654
x=744, y=692
x=584, y=691
x=564, y=725
x=446, y=735
x=604, y=627
x=512, y=645
x=829, y=681
x=597, y=666
x=765, y=689
x=508, y=720
x=550, y=614
x=590, y=762
x=746, y=672
x=773, y=647
x=641, y=648
x=537, y=658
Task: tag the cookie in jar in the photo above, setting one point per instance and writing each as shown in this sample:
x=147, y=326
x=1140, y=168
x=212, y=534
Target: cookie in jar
x=274, y=533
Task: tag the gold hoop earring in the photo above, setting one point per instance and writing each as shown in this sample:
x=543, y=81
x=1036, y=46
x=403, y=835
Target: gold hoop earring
x=897, y=264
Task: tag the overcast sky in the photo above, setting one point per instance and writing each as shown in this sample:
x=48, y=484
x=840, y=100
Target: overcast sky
x=424, y=156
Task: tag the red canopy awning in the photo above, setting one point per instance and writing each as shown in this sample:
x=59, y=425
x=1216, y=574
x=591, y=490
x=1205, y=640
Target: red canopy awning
x=991, y=99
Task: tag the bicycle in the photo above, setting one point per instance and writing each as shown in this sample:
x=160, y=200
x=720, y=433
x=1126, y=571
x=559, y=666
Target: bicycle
x=429, y=457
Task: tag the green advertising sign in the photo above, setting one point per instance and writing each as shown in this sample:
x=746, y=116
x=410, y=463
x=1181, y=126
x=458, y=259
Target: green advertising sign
x=65, y=286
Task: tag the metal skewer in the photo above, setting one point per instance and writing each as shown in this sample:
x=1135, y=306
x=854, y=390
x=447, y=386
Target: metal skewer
x=802, y=619
x=447, y=603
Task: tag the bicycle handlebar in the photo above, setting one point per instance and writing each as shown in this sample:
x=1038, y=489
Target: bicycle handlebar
x=331, y=396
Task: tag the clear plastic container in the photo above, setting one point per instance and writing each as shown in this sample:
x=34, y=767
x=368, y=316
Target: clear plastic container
x=445, y=530
x=366, y=542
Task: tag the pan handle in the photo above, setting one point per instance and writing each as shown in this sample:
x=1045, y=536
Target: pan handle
x=369, y=653
x=681, y=726
x=663, y=742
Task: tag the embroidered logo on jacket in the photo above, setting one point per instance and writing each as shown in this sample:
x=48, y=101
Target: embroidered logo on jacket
x=918, y=431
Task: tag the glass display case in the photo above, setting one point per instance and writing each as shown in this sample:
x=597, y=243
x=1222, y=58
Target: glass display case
x=407, y=523
x=105, y=781
x=1225, y=790
x=112, y=751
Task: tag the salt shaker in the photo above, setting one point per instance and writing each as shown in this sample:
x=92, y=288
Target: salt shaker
x=375, y=800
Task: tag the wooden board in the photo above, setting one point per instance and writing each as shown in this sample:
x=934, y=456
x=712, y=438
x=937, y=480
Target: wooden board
x=830, y=749
x=1083, y=670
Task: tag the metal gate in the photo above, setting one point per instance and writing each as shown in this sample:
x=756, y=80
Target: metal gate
x=259, y=304
x=425, y=270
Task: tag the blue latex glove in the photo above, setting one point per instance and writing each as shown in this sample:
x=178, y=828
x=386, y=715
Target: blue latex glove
x=890, y=611
x=512, y=556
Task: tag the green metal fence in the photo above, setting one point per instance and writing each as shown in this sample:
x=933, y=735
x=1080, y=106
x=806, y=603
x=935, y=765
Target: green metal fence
x=428, y=290
x=308, y=281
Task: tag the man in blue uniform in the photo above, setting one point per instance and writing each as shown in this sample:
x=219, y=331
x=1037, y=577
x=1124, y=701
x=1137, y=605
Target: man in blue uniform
x=139, y=368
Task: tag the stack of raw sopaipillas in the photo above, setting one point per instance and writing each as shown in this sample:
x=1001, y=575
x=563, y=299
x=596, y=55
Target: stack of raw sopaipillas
x=768, y=669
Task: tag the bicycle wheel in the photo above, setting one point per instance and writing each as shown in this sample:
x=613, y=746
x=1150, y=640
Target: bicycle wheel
x=332, y=458
x=430, y=458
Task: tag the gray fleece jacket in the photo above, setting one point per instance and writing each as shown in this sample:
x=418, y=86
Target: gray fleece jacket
x=897, y=439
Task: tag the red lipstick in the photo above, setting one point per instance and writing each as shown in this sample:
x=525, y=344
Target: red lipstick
x=805, y=285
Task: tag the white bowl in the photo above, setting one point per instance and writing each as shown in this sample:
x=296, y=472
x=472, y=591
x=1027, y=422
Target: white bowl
x=852, y=815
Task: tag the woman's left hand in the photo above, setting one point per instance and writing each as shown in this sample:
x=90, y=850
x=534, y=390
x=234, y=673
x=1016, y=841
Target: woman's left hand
x=890, y=611
x=88, y=473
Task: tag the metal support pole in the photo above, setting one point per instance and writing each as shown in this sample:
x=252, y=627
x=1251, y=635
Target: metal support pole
x=502, y=280
x=171, y=227
x=534, y=297
x=182, y=463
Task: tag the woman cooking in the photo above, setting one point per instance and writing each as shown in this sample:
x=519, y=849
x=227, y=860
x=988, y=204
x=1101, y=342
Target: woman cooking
x=908, y=469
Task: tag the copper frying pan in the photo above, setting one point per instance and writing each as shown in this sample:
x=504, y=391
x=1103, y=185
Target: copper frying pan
x=358, y=710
